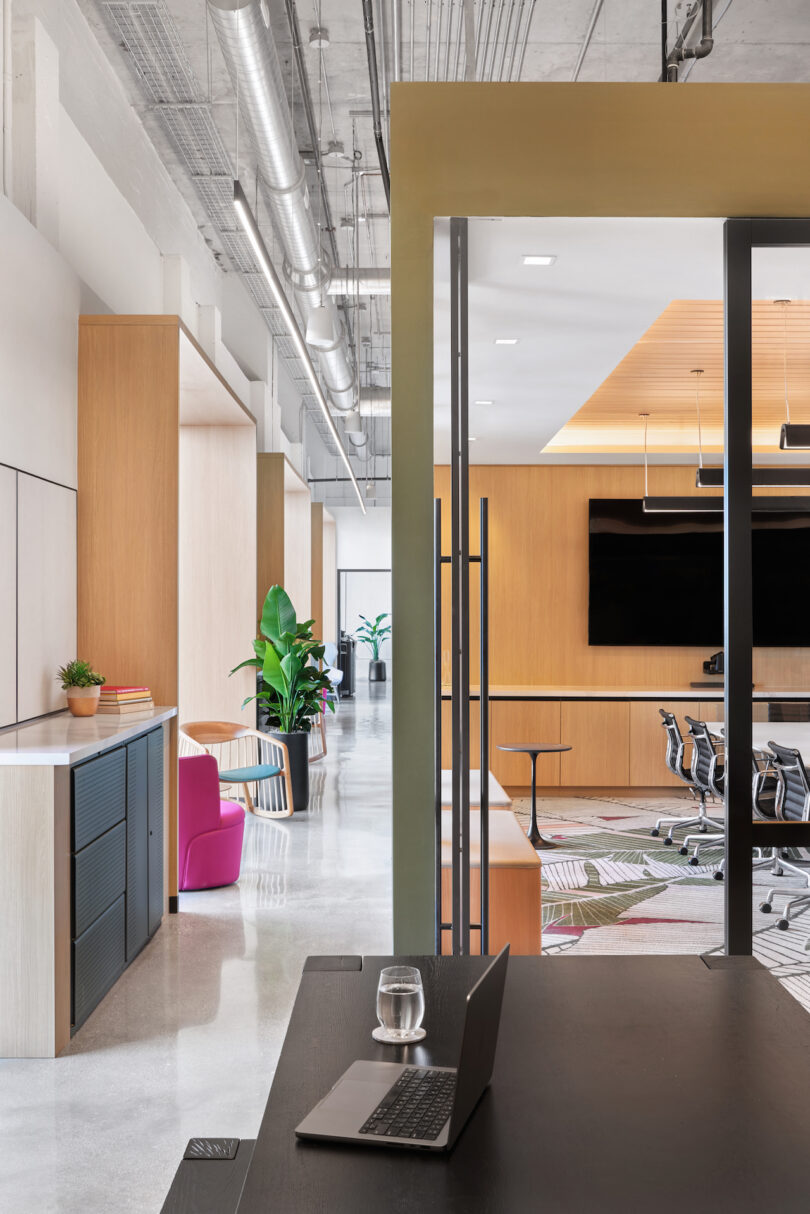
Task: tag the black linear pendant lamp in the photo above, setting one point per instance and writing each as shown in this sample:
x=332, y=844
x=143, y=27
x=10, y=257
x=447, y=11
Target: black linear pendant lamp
x=791, y=437
x=705, y=478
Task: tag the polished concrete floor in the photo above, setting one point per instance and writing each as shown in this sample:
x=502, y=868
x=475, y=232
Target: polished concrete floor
x=187, y=1042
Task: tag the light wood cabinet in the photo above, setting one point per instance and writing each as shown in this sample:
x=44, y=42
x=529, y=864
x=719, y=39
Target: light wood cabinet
x=8, y=596
x=524, y=721
x=598, y=732
x=648, y=742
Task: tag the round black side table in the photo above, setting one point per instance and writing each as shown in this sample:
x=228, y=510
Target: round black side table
x=540, y=748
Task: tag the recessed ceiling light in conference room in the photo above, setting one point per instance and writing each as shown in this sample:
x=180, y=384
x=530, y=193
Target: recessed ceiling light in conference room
x=539, y=259
x=484, y=402
x=506, y=341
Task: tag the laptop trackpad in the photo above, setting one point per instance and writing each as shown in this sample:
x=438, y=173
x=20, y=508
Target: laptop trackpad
x=352, y=1099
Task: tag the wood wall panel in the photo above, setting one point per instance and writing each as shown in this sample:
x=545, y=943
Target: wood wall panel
x=599, y=736
x=46, y=593
x=128, y=503
x=297, y=550
x=269, y=525
x=515, y=722
x=8, y=596
x=329, y=580
x=316, y=566
x=648, y=743
x=538, y=586
x=217, y=571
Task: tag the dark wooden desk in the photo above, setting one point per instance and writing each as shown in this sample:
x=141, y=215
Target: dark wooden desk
x=626, y=1084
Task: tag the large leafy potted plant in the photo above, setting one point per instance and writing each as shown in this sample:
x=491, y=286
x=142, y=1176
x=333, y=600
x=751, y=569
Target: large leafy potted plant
x=83, y=687
x=372, y=634
x=290, y=686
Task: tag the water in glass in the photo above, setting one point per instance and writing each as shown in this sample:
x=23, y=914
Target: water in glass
x=400, y=1000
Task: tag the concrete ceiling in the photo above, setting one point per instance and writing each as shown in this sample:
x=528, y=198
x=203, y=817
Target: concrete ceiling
x=754, y=40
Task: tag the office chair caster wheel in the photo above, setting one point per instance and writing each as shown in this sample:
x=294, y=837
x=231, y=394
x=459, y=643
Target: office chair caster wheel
x=785, y=854
x=683, y=851
x=765, y=907
x=782, y=924
x=668, y=841
x=718, y=876
x=703, y=829
x=777, y=872
x=655, y=832
x=694, y=861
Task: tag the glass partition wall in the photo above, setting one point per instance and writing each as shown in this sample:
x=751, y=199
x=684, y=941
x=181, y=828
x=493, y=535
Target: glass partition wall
x=594, y=441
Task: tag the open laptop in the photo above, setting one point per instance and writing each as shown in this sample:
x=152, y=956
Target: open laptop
x=394, y=1104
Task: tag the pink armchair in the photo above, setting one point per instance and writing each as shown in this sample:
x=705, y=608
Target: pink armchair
x=211, y=830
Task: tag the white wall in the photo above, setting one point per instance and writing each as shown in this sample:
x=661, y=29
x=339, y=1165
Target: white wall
x=364, y=542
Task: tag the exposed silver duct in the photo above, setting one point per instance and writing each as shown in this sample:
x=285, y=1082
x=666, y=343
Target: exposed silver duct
x=368, y=280
x=375, y=402
x=253, y=63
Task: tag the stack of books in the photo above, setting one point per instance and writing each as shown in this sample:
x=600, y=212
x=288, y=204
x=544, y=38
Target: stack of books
x=125, y=699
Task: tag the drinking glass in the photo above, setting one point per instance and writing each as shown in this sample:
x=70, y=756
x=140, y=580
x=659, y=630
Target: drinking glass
x=400, y=1005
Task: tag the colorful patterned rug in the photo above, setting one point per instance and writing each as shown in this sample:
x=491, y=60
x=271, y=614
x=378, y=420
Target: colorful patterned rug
x=611, y=888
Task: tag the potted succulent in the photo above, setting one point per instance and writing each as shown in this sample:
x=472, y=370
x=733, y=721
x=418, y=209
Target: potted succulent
x=290, y=685
x=83, y=687
x=372, y=635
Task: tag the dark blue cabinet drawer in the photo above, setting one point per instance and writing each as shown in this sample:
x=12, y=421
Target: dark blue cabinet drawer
x=99, y=877
x=99, y=796
x=98, y=959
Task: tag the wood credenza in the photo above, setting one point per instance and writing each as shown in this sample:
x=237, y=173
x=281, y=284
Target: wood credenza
x=615, y=742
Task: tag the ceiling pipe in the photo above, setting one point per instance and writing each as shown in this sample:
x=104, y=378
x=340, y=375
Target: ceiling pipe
x=253, y=63
x=589, y=33
x=368, y=280
x=374, y=83
x=680, y=51
x=375, y=402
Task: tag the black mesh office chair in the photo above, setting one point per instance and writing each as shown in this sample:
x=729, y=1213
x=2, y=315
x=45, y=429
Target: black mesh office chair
x=707, y=774
x=792, y=805
x=764, y=788
x=676, y=762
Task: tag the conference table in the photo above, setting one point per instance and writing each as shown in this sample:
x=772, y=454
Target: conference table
x=663, y=1083
x=795, y=735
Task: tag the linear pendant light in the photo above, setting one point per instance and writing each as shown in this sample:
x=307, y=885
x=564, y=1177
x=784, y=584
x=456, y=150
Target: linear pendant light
x=761, y=478
x=248, y=222
x=714, y=505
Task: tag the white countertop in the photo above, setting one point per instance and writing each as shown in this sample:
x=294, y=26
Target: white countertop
x=517, y=692
x=63, y=739
x=498, y=797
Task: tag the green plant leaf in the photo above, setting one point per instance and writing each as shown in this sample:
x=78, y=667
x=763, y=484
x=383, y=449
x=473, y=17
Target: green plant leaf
x=272, y=672
x=248, y=662
x=278, y=614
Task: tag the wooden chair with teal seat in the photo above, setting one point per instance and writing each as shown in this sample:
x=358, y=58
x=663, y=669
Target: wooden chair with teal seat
x=245, y=756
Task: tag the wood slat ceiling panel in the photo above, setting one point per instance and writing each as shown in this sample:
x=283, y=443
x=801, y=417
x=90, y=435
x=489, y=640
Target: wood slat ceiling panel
x=655, y=377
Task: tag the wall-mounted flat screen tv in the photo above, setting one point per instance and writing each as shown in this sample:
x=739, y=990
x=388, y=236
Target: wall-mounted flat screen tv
x=657, y=579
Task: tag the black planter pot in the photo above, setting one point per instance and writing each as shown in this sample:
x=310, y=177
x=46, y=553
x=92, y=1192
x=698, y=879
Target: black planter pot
x=298, y=748
x=376, y=672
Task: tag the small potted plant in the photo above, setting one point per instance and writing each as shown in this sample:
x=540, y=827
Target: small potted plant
x=83, y=687
x=290, y=686
x=373, y=635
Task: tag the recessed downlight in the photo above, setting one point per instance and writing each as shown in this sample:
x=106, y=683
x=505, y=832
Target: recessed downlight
x=472, y=439
x=483, y=402
x=506, y=341
x=539, y=259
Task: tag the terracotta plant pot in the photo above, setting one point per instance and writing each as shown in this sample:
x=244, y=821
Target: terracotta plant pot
x=83, y=701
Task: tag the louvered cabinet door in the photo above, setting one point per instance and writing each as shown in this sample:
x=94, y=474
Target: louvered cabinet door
x=155, y=828
x=137, y=846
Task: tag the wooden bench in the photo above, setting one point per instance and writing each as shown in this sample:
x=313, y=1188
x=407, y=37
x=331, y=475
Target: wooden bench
x=514, y=884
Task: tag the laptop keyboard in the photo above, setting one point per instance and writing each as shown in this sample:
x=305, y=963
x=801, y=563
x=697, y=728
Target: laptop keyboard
x=417, y=1106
